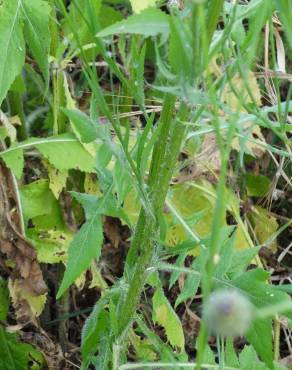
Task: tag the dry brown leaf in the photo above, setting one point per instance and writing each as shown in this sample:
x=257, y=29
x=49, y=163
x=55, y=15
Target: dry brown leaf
x=25, y=272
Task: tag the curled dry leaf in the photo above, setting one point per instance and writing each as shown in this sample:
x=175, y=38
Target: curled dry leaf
x=26, y=272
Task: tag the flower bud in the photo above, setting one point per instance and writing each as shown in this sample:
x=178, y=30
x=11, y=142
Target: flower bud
x=227, y=313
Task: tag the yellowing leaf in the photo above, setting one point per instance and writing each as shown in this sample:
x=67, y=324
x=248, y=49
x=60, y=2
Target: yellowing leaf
x=18, y=294
x=80, y=281
x=240, y=241
x=132, y=207
x=240, y=87
x=139, y=5
x=265, y=225
x=52, y=245
x=164, y=315
x=57, y=179
x=97, y=279
x=91, y=185
x=143, y=348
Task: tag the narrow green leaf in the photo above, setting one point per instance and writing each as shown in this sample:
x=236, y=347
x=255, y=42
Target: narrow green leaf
x=12, y=44
x=36, y=15
x=180, y=44
x=150, y=22
x=83, y=249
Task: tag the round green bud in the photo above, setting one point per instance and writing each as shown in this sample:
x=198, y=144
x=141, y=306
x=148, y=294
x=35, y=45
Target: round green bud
x=227, y=313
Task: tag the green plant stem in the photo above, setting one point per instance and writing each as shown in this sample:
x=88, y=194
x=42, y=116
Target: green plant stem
x=16, y=108
x=277, y=330
x=143, y=247
x=59, y=119
x=219, y=214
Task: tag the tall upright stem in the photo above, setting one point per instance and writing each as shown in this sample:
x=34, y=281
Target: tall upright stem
x=142, y=249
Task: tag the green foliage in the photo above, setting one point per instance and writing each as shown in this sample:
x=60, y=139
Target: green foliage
x=40, y=205
x=83, y=127
x=64, y=152
x=261, y=294
x=150, y=22
x=257, y=185
x=85, y=246
x=15, y=355
x=148, y=124
x=36, y=15
x=12, y=44
x=164, y=315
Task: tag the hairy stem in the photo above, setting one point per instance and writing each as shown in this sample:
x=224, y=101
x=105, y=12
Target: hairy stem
x=143, y=247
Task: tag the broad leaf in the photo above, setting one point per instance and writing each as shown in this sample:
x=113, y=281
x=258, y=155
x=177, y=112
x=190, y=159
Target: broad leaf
x=150, y=22
x=38, y=200
x=12, y=44
x=85, y=246
x=57, y=179
x=15, y=161
x=265, y=225
x=257, y=185
x=64, y=152
x=254, y=284
x=65, y=155
x=51, y=245
x=36, y=15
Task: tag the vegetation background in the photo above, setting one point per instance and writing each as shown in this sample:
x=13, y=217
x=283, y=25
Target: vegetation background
x=145, y=184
